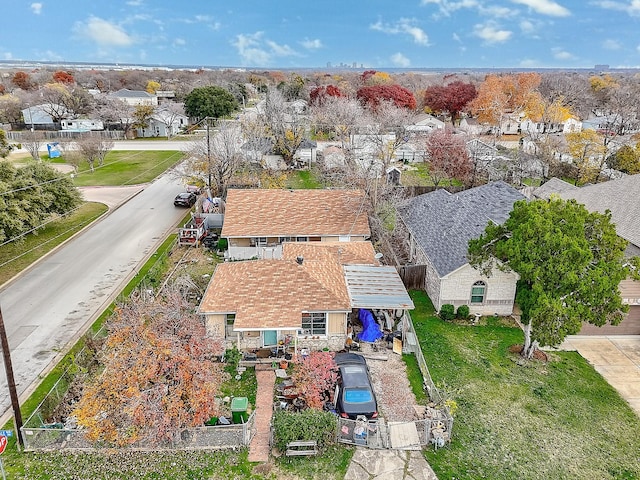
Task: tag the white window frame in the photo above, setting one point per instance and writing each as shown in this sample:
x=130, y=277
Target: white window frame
x=478, y=284
x=315, y=323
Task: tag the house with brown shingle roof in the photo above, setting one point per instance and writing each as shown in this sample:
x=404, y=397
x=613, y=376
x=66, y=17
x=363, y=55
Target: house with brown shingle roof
x=257, y=222
x=307, y=296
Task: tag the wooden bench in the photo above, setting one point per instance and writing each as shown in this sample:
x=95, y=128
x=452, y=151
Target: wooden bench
x=302, y=447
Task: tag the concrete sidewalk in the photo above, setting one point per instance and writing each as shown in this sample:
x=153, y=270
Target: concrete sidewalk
x=368, y=464
x=616, y=358
x=113, y=197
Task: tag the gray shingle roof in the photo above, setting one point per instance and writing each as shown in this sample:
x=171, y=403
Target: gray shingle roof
x=554, y=185
x=443, y=223
x=621, y=197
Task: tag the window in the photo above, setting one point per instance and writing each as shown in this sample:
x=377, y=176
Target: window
x=229, y=322
x=478, y=291
x=302, y=239
x=286, y=239
x=314, y=323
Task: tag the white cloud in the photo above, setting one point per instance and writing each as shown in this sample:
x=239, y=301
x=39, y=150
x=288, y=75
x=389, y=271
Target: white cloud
x=496, y=11
x=632, y=8
x=456, y=37
x=400, y=60
x=280, y=50
x=545, y=7
x=311, y=44
x=179, y=42
x=527, y=27
x=610, y=44
x=255, y=50
x=103, y=32
x=560, y=54
x=7, y=56
x=447, y=7
x=403, y=26
x=36, y=8
x=490, y=33
x=248, y=47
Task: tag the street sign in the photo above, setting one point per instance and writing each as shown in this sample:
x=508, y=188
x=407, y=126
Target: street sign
x=6, y=433
x=3, y=443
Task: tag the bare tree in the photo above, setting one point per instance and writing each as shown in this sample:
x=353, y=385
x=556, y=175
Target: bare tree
x=114, y=111
x=218, y=160
x=93, y=148
x=168, y=114
x=32, y=141
x=285, y=125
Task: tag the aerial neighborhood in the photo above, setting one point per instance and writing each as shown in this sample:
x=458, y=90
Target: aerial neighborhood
x=355, y=260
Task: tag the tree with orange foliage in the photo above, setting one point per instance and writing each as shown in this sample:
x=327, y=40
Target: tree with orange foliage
x=315, y=377
x=64, y=78
x=160, y=375
x=22, y=80
x=501, y=94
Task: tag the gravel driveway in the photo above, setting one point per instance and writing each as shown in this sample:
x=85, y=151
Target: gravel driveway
x=391, y=385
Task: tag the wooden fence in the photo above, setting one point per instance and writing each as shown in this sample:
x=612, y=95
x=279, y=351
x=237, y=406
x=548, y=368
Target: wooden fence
x=413, y=276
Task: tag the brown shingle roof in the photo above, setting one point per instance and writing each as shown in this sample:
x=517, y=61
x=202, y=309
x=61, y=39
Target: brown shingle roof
x=345, y=253
x=265, y=213
x=269, y=294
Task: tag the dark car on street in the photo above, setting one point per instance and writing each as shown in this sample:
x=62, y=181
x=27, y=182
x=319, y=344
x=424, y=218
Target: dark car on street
x=185, y=199
x=354, y=394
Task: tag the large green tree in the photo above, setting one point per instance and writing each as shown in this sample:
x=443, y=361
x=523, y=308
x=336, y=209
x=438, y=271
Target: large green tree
x=5, y=146
x=570, y=262
x=30, y=195
x=210, y=101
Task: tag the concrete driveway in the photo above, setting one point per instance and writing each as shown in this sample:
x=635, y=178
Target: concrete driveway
x=616, y=358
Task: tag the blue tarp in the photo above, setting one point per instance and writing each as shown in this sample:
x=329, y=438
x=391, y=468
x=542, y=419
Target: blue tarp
x=54, y=150
x=371, y=330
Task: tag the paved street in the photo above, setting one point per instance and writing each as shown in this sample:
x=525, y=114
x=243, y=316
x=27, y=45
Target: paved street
x=52, y=303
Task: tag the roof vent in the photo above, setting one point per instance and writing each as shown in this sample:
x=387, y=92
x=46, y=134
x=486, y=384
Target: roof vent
x=299, y=259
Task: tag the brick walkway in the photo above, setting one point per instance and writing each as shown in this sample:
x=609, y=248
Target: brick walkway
x=259, y=448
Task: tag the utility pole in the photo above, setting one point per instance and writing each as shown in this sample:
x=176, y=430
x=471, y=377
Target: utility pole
x=11, y=383
x=208, y=154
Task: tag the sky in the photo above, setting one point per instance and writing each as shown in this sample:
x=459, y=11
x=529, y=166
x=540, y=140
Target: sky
x=373, y=34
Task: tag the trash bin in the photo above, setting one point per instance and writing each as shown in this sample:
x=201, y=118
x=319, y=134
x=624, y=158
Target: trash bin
x=239, y=407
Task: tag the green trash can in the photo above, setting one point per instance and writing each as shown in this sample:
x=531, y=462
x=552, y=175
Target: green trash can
x=239, y=407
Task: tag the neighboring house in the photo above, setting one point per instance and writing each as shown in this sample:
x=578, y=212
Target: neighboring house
x=81, y=125
x=425, y=123
x=304, y=300
x=571, y=125
x=471, y=126
x=163, y=123
x=37, y=115
x=621, y=198
x=440, y=225
x=257, y=222
x=135, y=97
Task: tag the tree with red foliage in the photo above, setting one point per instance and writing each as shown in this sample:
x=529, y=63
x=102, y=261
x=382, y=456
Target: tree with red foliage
x=161, y=374
x=451, y=98
x=315, y=377
x=64, y=78
x=371, y=96
x=318, y=95
x=447, y=156
x=22, y=80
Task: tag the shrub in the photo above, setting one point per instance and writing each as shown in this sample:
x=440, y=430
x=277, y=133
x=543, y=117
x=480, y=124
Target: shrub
x=308, y=424
x=447, y=312
x=463, y=312
x=232, y=360
x=222, y=244
x=315, y=377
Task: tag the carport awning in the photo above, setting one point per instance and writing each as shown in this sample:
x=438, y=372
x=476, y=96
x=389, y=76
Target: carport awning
x=377, y=287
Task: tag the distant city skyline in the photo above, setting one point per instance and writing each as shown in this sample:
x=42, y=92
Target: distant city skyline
x=378, y=34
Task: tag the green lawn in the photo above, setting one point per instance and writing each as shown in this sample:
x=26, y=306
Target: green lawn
x=554, y=420
x=303, y=179
x=16, y=256
x=123, y=167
